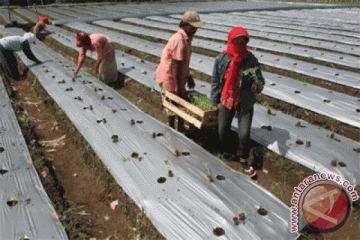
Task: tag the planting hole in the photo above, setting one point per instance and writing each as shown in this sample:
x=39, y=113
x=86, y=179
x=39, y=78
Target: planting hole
x=326, y=101
x=139, y=121
x=358, y=110
x=2, y=149
x=160, y=134
x=262, y=211
x=185, y=153
x=219, y=231
x=220, y=177
x=161, y=180
x=12, y=203
x=3, y=171
x=297, y=91
x=341, y=164
x=299, y=142
x=273, y=84
x=134, y=155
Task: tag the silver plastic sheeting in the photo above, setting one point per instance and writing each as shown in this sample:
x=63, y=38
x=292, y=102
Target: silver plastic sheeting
x=184, y=206
x=341, y=59
x=28, y=14
x=4, y=13
x=339, y=76
x=282, y=140
x=26, y=210
x=342, y=107
x=225, y=26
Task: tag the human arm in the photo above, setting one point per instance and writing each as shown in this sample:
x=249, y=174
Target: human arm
x=81, y=59
x=29, y=54
x=176, y=70
x=215, y=85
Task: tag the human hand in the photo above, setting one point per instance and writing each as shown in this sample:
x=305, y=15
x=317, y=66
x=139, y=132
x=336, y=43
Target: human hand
x=257, y=88
x=215, y=108
x=190, y=82
x=75, y=72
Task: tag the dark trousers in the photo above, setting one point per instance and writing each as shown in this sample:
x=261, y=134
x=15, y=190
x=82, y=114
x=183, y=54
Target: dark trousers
x=9, y=63
x=244, y=118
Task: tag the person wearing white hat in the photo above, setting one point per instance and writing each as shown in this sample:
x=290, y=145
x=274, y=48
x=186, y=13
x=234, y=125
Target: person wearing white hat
x=9, y=45
x=173, y=72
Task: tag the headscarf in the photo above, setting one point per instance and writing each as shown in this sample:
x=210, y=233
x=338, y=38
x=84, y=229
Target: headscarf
x=83, y=40
x=239, y=56
x=45, y=20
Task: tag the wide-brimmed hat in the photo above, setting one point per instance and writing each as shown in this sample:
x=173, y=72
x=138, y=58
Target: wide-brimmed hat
x=192, y=18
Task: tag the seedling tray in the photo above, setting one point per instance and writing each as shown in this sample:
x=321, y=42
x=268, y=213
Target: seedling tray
x=189, y=112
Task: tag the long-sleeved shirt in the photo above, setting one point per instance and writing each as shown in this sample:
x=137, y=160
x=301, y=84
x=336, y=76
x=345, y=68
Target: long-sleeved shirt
x=98, y=43
x=18, y=43
x=249, y=74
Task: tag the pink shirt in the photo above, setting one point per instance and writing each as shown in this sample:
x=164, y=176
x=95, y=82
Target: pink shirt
x=178, y=48
x=99, y=43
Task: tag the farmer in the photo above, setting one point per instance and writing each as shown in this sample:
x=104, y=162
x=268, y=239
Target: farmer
x=39, y=29
x=9, y=45
x=106, y=67
x=173, y=72
x=235, y=80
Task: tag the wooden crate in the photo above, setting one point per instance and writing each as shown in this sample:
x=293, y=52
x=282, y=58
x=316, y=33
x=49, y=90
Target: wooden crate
x=190, y=113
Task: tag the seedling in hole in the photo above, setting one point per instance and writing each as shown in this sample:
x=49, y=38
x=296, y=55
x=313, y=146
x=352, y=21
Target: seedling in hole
x=115, y=138
x=103, y=97
x=242, y=217
x=154, y=134
x=209, y=178
x=308, y=144
x=69, y=89
x=134, y=155
x=167, y=163
x=177, y=153
x=235, y=221
x=63, y=81
x=104, y=120
x=114, y=110
x=299, y=142
x=2, y=149
x=333, y=163
x=132, y=122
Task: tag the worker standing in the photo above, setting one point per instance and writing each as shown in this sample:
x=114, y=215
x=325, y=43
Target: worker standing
x=173, y=72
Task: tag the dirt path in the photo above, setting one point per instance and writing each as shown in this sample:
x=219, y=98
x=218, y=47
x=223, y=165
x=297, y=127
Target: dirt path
x=82, y=186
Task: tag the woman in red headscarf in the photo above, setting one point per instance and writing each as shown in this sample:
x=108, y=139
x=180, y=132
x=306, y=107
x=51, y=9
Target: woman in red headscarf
x=106, y=63
x=40, y=30
x=235, y=80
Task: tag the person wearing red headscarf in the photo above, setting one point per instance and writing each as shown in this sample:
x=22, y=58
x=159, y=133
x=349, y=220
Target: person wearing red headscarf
x=106, y=66
x=235, y=80
x=40, y=30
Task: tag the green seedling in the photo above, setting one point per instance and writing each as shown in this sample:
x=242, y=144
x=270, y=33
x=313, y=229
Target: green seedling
x=168, y=166
x=209, y=178
x=201, y=101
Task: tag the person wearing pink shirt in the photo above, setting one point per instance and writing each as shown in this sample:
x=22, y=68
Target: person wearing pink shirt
x=106, y=67
x=173, y=72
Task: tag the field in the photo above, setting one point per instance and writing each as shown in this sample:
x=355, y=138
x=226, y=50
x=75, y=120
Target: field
x=78, y=182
